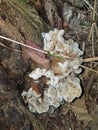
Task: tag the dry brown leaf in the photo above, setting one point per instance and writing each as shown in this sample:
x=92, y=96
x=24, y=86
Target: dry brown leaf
x=79, y=108
x=37, y=56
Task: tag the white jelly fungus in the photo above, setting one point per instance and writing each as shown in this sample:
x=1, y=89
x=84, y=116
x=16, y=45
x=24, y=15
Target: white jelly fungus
x=61, y=79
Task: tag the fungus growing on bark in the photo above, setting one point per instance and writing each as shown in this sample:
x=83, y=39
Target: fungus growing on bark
x=61, y=79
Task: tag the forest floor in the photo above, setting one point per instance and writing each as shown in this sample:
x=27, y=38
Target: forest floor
x=80, y=23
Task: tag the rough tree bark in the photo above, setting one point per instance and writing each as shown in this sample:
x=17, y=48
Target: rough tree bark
x=18, y=20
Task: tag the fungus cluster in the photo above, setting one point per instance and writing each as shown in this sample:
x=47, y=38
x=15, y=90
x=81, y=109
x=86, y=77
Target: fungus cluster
x=60, y=81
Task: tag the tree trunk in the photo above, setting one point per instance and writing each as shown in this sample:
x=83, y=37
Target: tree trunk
x=19, y=21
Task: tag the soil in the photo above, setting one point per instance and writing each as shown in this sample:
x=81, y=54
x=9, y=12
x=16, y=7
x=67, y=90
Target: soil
x=26, y=20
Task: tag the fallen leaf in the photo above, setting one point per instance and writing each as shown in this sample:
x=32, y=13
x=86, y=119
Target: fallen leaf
x=37, y=56
x=79, y=108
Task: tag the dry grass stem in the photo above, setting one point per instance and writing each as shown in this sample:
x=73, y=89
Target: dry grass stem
x=9, y=48
x=19, y=43
x=90, y=69
x=93, y=49
x=94, y=10
x=90, y=34
x=83, y=46
x=93, y=29
x=96, y=30
x=88, y=4
x=90, y=59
